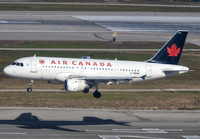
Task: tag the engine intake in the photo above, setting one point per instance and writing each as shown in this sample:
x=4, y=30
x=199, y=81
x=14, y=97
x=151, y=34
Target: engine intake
x=74, y=85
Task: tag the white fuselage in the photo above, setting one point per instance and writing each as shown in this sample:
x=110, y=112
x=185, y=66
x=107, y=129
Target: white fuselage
x=60, y=69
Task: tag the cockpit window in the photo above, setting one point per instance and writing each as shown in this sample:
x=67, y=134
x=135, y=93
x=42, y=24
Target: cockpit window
x=18, y=64
x=14, y=63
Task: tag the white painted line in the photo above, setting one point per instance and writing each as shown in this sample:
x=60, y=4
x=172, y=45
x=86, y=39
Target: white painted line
x=3, y=22
x=19, y=22
x=151, y=19
x=99, y=131
x=107, y=50
x=173, y=130
x=143, y=130
x=154, y=130
x=122, y=28
x=138, y=131
x=50, y=31
x=12, y=133
x=108, y=137
x=126, y=136
x=105, y=90
x=191, y=137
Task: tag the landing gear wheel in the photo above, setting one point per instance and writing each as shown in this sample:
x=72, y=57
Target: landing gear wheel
x=86, y=90
x=97, y=94
x=30, y=86
x=29, y=89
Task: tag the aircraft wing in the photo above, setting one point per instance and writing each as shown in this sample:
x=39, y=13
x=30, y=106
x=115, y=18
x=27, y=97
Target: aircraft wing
x=106, y=79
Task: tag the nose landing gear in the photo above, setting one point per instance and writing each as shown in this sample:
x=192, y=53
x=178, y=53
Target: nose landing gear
x=30, y=86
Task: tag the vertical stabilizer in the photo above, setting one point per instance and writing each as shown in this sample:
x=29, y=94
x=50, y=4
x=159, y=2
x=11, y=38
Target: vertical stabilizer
x=170, y=53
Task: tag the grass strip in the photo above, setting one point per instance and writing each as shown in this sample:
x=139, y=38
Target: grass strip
x=61, y=7
x=188, y=80
x=88, y=44
x=109, y=100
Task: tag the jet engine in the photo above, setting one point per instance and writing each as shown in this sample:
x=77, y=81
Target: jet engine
x=74, y=85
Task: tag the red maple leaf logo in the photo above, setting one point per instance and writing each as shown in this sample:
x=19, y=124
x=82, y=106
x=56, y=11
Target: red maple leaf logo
x=173, y=51
x=41, y=61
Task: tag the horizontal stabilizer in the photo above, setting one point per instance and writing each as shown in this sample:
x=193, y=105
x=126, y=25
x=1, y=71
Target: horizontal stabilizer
x=171, y=70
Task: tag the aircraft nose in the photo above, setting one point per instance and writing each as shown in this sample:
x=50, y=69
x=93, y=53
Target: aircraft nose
x=8, y=70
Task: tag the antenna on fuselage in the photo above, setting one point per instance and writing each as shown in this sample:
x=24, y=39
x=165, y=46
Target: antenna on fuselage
x=34, y=55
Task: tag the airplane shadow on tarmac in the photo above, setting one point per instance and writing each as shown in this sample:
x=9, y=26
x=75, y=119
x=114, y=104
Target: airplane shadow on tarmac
x=29, y=121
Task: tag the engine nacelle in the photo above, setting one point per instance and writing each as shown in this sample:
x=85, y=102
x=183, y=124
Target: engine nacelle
x=74, y=85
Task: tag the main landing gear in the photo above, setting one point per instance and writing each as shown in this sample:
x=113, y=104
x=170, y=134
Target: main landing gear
x=96, y=93
x=30, y=86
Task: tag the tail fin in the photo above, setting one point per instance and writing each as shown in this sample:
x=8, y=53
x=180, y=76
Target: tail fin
x=170, y=53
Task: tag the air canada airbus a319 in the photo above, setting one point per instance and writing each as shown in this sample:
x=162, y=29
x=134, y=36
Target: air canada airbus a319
x=81, y=74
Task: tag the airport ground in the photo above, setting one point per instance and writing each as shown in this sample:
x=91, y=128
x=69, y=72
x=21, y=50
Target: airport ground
x=62, y=123
x=95, y=29
x=100, y=123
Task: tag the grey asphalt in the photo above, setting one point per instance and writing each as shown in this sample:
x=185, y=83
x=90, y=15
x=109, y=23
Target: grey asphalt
x=106, y=90
x=60, y=123
x=93, y=3
x=71, y=123
x=97, y=26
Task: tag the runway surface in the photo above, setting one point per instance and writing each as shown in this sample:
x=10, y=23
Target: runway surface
x=97, y=26
x=106, y=90
x=60, y=123
x=91, y=50
x=93, y=3
x=70, y=123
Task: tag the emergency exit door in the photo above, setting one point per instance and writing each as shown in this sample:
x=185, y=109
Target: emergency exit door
x=34, y=66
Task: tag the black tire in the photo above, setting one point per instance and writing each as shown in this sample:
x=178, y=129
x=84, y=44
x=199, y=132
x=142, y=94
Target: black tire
x=86, y=90
x=29, y=89
x=97, y=94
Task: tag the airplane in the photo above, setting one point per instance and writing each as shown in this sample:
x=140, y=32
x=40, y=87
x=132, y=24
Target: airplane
x=81, y=74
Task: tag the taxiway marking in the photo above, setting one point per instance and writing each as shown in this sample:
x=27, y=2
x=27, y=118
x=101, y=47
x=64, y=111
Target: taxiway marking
x=191, y=137
x=12, y=133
